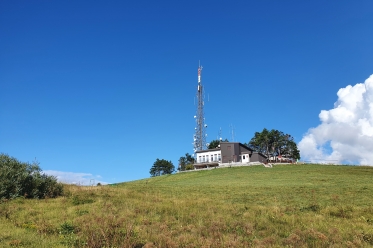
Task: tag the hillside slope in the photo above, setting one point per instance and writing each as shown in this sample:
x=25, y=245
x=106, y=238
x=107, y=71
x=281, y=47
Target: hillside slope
x=288, y=205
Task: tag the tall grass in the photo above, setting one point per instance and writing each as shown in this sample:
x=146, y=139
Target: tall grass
x=284, y=206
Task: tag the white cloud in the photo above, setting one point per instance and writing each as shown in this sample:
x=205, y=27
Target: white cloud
x=75, y=178
x=345, y=134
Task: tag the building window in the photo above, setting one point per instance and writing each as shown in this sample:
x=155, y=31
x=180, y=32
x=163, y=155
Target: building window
x=215, y=157
x=243, y=156
x=219, y=157
x=203, y=158
x=199, y=159
x=212, y=157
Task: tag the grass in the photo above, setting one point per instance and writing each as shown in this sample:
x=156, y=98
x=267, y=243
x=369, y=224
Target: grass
x=284, y=206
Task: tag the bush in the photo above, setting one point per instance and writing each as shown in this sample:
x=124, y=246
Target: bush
x=18, y=179
x=78, y=200
x=189, y=167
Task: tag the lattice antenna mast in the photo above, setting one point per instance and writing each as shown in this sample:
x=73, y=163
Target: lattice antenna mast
x=200, y=134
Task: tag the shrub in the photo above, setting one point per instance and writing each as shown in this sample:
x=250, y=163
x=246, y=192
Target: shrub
x=18, y=179
x=67, y=228
x=78, y=200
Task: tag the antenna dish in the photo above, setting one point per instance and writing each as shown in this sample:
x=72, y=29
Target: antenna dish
x=205, y=125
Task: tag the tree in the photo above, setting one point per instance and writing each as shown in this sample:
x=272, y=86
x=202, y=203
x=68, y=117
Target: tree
x=274, y=143
x=215, y=143
x=18, y=179
x=184, y=161
x=161, y=167
x=291, y=149
x=260, y=142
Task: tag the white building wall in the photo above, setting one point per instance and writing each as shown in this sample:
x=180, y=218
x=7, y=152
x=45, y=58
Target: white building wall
x=209, y=156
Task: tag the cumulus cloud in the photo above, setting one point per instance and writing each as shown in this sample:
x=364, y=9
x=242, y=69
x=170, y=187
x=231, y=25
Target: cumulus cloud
x=75, y=178
x=345, y=134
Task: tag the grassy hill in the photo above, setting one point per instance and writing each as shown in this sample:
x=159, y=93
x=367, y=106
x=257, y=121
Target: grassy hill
x=284, y=206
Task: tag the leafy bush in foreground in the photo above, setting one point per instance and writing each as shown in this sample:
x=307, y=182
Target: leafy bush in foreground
x=25, y=179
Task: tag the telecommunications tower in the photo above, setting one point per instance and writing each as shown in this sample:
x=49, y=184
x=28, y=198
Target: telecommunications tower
x=200, y=134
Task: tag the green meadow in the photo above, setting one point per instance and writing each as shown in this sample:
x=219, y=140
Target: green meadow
x=283, y=206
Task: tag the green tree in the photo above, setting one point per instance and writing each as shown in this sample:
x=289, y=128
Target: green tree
x=260, y=142
x=161, y=167
x=215, y=143
x=184, y=161
x=291, y=149
x=26, y=180
x=274, y=143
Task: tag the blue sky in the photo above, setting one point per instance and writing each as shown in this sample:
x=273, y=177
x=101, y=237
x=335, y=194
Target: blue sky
x=101, y=89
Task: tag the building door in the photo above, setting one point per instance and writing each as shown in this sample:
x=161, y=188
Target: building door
x=245, y=158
